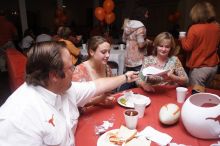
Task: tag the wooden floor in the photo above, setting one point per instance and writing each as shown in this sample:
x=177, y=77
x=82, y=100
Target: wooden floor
x=4, y=87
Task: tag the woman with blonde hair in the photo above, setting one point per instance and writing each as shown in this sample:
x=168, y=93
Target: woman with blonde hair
x=163, y=59
x=201, y=44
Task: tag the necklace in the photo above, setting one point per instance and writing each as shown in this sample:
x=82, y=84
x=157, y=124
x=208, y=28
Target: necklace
x=161, y=64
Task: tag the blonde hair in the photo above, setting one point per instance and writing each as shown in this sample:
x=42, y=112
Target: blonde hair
x=160, y=38
x=202, y=12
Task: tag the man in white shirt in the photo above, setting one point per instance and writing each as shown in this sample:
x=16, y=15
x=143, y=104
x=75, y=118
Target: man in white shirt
x=43, y=111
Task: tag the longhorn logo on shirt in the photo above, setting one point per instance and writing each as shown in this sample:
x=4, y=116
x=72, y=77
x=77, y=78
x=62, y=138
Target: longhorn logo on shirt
x=51, y=121
x=214, y=118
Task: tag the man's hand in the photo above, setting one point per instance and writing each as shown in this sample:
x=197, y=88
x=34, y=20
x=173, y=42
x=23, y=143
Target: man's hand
x=131, y=76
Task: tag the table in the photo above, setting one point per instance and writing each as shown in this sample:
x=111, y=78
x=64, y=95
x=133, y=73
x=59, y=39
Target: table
x=116, y=55
x=85, y=134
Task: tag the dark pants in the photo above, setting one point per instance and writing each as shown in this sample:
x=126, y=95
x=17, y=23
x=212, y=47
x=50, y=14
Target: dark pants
x=131, y=85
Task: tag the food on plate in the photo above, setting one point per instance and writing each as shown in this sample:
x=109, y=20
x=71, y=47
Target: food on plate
x=122, y=136
x=169, y=114
x=123, y=101
x=138, y=142
x=128, y=101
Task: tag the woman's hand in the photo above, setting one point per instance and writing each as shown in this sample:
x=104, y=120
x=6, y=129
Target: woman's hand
x=146, y=87
x=107, y=101
x=169, y=76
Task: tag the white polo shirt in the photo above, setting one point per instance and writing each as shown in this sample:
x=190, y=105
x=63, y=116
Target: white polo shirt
x=34, y=116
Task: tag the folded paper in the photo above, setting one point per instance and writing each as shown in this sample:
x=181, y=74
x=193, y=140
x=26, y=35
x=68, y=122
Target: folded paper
x=155, y=136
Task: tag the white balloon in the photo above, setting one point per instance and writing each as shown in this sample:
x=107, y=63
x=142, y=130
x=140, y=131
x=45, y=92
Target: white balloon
x=169, y=114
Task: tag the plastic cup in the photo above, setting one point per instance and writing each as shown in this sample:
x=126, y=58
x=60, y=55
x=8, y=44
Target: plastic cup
x=140, y=105
x=181, y=94
x=182, y=34
x=122, y=46
x=131, y=118
x=84, y=46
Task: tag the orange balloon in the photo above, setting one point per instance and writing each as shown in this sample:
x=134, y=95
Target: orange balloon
x=100, y=13
x=110, y=18
x=108, y=6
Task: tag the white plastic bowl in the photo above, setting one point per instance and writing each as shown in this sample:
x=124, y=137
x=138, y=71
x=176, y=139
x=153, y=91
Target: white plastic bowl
x=201, y=115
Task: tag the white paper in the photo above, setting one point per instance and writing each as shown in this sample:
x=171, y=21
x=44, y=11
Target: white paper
x=150, y=70
x=175, y=144
x=156, y=136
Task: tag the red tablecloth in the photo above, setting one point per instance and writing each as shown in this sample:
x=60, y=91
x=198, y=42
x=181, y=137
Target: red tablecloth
x=85, y=133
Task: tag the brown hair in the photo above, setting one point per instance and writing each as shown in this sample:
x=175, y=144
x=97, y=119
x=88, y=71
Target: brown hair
x=202, y=12
x=94, y=42
x=64, y=32
x=161, y=37
x=43, y=58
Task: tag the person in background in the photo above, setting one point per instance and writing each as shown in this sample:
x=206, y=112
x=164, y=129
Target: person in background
x=201, y=44
x=63, y=35
x=44, y=35
x=163, y=59
x=134, y=36
x=27, y=41
x=95, y=67
x=8, y=34
x=43, y=110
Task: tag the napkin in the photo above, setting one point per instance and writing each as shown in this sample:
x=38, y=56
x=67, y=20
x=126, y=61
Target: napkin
x=156, y=136
x=100, y=129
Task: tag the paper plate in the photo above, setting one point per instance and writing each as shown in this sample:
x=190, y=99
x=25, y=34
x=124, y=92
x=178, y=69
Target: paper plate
x=128, y=102
x=104, y=139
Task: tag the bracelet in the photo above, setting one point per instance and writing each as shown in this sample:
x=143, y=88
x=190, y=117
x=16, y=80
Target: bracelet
x=126, y=77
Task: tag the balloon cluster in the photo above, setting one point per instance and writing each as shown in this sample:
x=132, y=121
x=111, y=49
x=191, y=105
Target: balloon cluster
x=105, y=13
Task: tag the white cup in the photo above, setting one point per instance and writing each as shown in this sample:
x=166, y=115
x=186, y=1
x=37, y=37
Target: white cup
x=140, y=105
x=181, y=94
x=182, y=34
x=131, y=118
x=122, y=46
x=84, y=46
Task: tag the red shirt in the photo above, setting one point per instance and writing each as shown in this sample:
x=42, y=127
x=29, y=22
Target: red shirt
x=202, y=43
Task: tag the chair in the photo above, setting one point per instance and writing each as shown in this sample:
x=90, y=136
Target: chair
x=114, y=67
x=16, y=63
